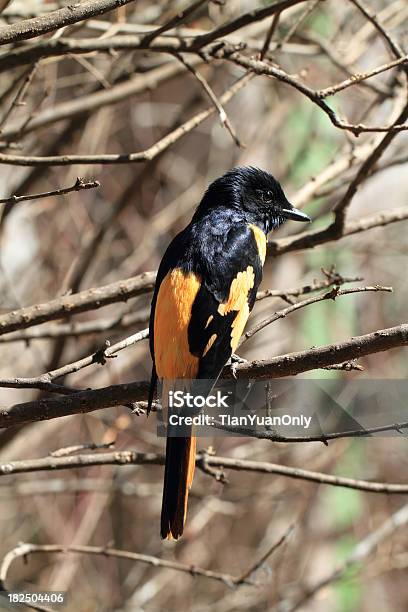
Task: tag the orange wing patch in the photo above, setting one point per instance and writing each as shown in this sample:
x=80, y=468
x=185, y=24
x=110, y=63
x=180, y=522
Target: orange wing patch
x=260, y=240
x=238, y=301
x=172, y=316
x=209, y=344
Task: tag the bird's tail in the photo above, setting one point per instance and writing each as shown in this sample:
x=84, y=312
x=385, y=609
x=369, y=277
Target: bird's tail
x=178, y=478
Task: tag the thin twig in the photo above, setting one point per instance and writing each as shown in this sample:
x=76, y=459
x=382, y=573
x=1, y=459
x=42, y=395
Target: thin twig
x=79, y=185
x=219, y=107
x=43, y=380
x=359, y=553
x=25, y=549
x=175, y=21
x=126, y=158
x=330, y=295
x=275, y=546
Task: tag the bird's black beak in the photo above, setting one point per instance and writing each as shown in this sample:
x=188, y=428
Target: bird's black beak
x=295, y=214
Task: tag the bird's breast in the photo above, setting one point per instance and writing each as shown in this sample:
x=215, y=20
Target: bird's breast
x=175, y=299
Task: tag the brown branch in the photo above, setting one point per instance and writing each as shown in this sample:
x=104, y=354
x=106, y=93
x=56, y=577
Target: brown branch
x=395, y=48
x=378, y=220
x=262, y=68
x=360, y=77
x=330, y=295
x=243, y=20
x=271, y=31
x=19, y=97
x=123, y=290
x=173, y=22
x=99, y=99
x=68, y=305
x=322, y=356
x=340, y=209
x=43, y=381
x=107, y=351
x=126, y=158
x=124, y=321
x=211, y=95
x=332, y=278
x=31, y=28
x=359, y=553
x=24, y=550
x=310, y=7
x=130, y=457
x=79, y=185
x=75, y=329
x=277, y=367
x=255, y=566
x=308, y=240
x=327, y=48
x=324, y=438
x=221, y=50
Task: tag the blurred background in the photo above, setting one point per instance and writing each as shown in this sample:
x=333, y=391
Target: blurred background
x=73, y=104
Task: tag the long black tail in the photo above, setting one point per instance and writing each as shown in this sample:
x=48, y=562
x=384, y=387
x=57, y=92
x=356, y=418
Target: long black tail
x=178, y=478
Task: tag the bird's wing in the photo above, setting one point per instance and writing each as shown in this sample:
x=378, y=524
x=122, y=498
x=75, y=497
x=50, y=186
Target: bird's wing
x=223, y=303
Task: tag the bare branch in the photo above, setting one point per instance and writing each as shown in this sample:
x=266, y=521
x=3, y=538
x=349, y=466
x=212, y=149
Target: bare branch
x=126, y=158
x=330, y=295
x=75, y=329
x=79, y=185
x=43, y=381
x=175, y=21
x=24, y=550
x=124, y=321
x=68, y=305
x=99, y=99
x=361, y=77
x=395, y=48
x=360, y=552
x=322, y=356
x=308, y=240
x=277, y=367
x=31, y=28
x=130, y=457
x=218, y=106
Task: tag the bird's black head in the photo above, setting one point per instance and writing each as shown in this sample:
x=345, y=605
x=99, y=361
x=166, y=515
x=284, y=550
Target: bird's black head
x=255, y=193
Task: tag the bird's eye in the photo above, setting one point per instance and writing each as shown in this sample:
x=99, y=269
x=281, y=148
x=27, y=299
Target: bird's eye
x=267, y=196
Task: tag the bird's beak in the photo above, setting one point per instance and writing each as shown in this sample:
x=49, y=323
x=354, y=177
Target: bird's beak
x=295, y=214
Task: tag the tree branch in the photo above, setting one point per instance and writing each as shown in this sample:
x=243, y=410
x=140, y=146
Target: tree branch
x=322, y=356
x=79, y=185
x=126, y=158
x=330, y=295
x=359, y=553
x=24, y=550
x=68, y=305
x=130, y=457
x=277, y=367
x=31, y=28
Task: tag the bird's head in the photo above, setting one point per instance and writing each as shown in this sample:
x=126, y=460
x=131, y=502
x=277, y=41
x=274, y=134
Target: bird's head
x=254, y=192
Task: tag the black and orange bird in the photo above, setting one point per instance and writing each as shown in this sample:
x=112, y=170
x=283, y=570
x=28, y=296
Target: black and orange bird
x=205, y=289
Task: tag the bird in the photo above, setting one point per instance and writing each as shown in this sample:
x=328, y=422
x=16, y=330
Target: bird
x=205, y=289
